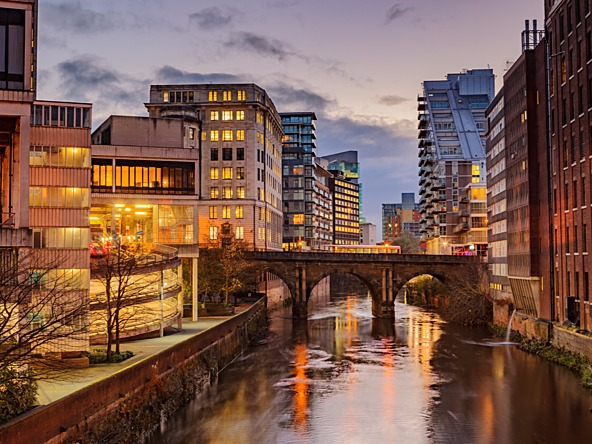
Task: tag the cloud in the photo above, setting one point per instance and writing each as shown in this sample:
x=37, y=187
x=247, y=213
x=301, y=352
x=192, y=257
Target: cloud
x=85, y=78
x=392, y=100
x=396, y=12
x=211, y=18
x=75, y=17
x=170, y=74
x=259, y=44
x=288, y=98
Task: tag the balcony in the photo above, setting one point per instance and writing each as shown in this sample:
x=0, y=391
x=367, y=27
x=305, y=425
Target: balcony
x=439, y=184
x=423, y=120
x=463, y=226
x=423, y=133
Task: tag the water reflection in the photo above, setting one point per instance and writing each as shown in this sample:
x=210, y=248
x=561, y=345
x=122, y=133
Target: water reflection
x=344, y=376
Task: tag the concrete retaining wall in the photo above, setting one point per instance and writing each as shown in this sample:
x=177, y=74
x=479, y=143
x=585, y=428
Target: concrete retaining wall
x=572, y=341
x=127, y=405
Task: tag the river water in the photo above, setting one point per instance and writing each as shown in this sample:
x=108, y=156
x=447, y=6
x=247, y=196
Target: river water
x=344, y=377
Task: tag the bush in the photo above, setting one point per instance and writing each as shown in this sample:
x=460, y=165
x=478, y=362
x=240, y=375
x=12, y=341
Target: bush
x=99, y=356
x=18, y=392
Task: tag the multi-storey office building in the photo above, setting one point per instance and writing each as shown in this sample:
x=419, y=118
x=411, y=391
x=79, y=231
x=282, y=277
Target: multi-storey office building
x=306, y=196
x=238, y=136
x=499, y=285
x=367, y=233
x=569, y=31
x=400, y=217
x=347, y=163
x=452, y=152
x=346, y=210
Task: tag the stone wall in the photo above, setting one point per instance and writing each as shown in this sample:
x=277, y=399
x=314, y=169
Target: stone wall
x=572, y=341
x=129, y=404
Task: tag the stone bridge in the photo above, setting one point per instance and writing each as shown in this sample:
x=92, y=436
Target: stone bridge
x=383, y=274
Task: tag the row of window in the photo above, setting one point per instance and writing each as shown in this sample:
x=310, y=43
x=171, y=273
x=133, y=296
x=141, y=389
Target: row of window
x=70, y=238
x=227, y=173
x=227, y=212
x=227, y=154
x=189, y=96
x=59, y=197
x=55, y=115
x=227, y=135
x=227, y=193
x=57, y=156
x=239, y=233
x=227, y=115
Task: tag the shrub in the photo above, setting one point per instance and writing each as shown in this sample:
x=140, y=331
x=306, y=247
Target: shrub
x=18, y=392
x=99, y=356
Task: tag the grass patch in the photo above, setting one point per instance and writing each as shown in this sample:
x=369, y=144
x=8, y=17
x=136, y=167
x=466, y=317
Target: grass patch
x=573, y=361
x=99, y=356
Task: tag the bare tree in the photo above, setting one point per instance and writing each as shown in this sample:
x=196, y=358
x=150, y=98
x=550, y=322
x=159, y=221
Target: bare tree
x=408, y=242
x=43, y=319
x=467, y=301
x=130, y=280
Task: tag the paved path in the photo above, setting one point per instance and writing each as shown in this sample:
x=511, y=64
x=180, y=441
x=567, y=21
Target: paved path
x=74, y=380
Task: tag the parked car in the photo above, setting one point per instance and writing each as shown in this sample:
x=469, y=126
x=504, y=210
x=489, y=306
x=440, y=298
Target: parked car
x=98, y=250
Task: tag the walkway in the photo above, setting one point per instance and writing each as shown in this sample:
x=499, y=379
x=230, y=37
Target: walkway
x=51, y=390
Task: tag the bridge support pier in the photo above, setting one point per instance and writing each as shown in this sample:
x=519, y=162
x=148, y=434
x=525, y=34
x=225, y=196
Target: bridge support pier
x=300, y=305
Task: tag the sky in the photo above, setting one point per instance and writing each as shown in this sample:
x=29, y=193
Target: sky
x=358, y=65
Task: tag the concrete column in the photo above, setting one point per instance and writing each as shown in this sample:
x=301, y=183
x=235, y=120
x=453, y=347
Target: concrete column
x=194, y=290
x=383, y=296
x=299, y=307
x=390, y=286
x=180, y=296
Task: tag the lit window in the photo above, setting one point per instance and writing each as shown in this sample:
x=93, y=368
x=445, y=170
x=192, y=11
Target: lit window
x=240, y=115
x=238, y=213
x=240, y=233
x=214, y=173
x=191, y=133
x=213, y=212
x=298, y=219
x=204, y=136
x=214, y=115
x=212, y=96
x=226, y=173
x=226, y=115
x=213, y=233
x=240, y=192
x=260, y=117
x=227, y=96
x=226, y=212
x=261, y=233
x=261, y=194
x=241, y=95
x=227, y=193
x=214, y=193
x=226, y=135
x=165, y=96
x=240, y=135
x=240, y=173
x=214, y=136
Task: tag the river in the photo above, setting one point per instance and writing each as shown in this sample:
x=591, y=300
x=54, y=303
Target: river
x=344, y=377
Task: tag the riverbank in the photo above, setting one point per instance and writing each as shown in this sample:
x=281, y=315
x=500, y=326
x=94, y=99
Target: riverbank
x=123, y=402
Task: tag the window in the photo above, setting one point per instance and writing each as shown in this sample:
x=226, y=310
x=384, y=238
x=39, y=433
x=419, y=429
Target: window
x=227, y=96
x=240, y=173
x=240, y=135
x=214, y=136
x=58, y=197
x=227, y=115
x=214, y=171
x=226, y=153
x=213, y=212
x=261, y=233
x=212, y=96
x=213, y=233
x=63, y=157
x=226, y=135
x=214, y=115
x=226, y=212
x=227, y=173
x=227, y=193
x=238, y=212
x=214, y=193
x=240, y=115
x=239, y=233
x=214, y=154
x=165, y=96
x=191, y=133
x=241, y=95
x=240, y=192
x=240, y=154
x=12, y=49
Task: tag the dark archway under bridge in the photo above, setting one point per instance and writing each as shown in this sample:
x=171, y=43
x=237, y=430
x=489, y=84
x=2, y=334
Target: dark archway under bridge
x=383, y=274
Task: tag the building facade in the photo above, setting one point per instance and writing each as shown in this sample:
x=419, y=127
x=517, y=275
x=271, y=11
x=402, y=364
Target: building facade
x=451, y=123
x=237, y=133
x=306, y=196
x=367, y=233
x=569, y=29
x=346, y=210
x=347, y=164
x=400, y=217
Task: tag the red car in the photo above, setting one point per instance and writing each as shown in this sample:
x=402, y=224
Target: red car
x=98, y=250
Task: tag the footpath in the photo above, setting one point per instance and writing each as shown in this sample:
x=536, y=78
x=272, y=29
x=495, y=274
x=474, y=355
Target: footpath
x=74, y=380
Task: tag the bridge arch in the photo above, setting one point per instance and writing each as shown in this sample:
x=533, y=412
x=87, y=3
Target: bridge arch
x=383, y=274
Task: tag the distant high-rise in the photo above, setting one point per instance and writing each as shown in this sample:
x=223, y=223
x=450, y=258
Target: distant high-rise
x=306, y=196
x=452, y=161
x=399, y=217
x=348, y=165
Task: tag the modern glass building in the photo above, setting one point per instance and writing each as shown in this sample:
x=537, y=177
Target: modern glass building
x=451, y=123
